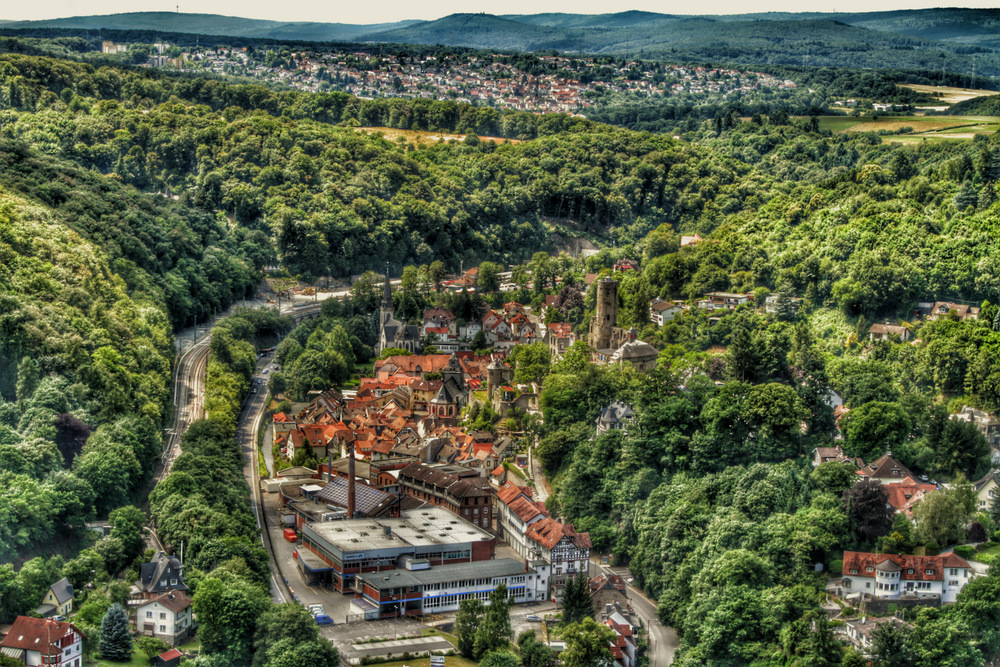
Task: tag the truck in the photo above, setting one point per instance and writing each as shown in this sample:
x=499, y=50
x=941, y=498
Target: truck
x=290, y=535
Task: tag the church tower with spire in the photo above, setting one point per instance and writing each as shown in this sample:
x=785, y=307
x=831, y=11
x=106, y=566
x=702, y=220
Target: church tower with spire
x=386, y=310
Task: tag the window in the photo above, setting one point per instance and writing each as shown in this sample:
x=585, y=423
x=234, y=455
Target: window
x=854, y=570
x=953, y=582
x=163, y=628
x=953, y=571
x=928, y=571
x=162, y=615
x=149, y=614
x=909, y=570
x=868, y=568
x=173, y=582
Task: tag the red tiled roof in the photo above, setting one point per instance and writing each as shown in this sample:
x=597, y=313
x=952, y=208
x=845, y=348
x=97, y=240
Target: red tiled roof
x=175, y=601
x=549, y=532
x=509, y=491
x=901, y=493
x=856, y=564
x=428, y=363
x=38, y=634
x=172, y=654
x=561, y=329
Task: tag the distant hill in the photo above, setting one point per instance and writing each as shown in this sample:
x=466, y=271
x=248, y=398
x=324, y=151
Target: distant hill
x=930, y=40
x=211, y=24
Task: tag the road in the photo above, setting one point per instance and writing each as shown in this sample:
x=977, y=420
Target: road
x=246, y=434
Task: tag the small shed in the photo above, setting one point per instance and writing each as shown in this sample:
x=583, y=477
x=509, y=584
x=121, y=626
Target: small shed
x=170, y=658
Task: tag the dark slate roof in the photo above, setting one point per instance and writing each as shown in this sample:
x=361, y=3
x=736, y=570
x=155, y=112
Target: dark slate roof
x=63, y=590
x=162, y=567
x=368, y=500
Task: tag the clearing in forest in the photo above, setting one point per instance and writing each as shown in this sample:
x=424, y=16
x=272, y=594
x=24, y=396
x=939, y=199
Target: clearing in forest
x=426, y=137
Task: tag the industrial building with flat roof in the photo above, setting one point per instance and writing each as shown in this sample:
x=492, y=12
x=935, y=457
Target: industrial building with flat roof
x=423, y=590
x=333, y=552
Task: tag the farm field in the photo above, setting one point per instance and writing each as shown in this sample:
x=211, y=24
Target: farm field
x=924, y=128
x=949, y=95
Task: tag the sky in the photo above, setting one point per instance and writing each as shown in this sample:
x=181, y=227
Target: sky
x=395, y=10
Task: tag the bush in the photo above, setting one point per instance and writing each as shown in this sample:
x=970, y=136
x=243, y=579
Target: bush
x=987, y=545
x=837, y=567
x=932, y=549
x=965, y=551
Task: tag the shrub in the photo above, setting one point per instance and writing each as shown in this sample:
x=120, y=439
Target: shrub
x=837, y=567
x=965, y=551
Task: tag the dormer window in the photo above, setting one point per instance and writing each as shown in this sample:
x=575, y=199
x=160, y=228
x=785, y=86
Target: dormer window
x=868, y=568
x=909, y=570
x=928, y=571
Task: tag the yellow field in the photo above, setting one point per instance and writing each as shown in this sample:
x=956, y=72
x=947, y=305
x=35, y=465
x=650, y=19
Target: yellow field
x=947, y=94
x=425, y=137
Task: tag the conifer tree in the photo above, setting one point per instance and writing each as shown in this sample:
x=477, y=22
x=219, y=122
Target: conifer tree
x=576, y=600
x=116, y=638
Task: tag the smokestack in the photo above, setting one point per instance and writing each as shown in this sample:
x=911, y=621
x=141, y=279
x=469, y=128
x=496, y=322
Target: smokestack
x=350, y=480
x=329, y=468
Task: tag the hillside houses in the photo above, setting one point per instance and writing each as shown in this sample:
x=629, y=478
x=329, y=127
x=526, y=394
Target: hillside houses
x=483, y=80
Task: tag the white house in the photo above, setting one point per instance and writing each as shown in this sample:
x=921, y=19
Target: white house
x=43, y=641
x=661, y=312
x=166, y=617
x=516, y=510
x=986, y=490
x=891, y=576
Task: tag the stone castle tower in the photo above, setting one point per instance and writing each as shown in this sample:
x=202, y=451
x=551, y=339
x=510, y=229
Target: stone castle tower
x=605, y=318
x=497, y=375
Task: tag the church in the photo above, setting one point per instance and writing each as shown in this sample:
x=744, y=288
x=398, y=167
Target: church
x=392, y=332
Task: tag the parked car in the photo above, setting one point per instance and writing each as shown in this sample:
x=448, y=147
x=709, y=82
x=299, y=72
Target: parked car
x=290, y=535
x=533, y=618
x=316, y=609
x=323, y=619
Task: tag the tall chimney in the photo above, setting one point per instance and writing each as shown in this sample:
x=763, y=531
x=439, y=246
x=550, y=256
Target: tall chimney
x=329, y=468
x=350, y=480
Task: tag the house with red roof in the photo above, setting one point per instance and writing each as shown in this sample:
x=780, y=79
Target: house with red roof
x=167, y=617
x=516, y=510
x=892, y=576
x=43, y=641
x=907, y=493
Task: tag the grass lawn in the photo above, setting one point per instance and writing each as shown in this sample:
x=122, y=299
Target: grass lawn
x=192, y=645
x=992, y=551
x=139, y=659
x=443, y=635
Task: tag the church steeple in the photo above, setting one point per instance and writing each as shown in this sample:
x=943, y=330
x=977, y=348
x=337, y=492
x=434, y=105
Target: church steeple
x=387, y=294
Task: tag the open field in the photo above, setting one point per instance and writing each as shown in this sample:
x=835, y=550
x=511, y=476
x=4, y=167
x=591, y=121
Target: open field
x=425, y=137
x=924, y=128
x=947, y=94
